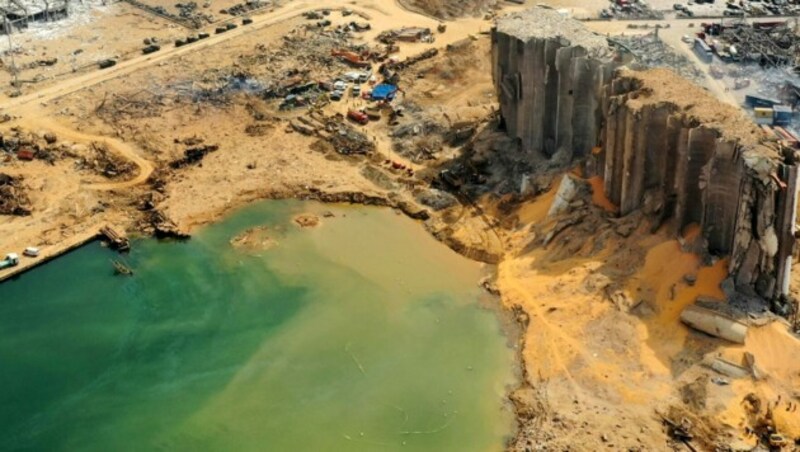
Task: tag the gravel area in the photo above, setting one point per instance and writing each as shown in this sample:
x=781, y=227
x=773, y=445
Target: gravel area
x=543, y=23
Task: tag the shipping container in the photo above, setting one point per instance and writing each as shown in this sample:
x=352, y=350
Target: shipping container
x=756, y=101
x=763, y=115
x=703, y=51
x=782, y=115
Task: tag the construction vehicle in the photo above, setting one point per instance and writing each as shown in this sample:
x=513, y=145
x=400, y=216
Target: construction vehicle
x=373, y=113
x=151, y=49
x=11, y=260
x=105, y=64
x=358, y=116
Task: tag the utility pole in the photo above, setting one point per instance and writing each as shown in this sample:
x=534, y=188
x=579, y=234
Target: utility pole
x=7, y=29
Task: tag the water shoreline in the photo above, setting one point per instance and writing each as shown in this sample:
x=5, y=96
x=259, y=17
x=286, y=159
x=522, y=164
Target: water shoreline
x=488, y=300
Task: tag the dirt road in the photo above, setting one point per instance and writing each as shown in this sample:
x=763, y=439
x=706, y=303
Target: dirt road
x=382, y=17
x=119, y=147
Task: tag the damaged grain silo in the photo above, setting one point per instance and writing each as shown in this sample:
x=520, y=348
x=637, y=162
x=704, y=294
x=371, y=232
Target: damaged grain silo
x=671, y=147
x=661, y=144
x=549, y=72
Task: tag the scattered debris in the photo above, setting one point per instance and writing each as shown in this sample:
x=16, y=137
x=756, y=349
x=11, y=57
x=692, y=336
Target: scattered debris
x=102, y=161
x=163, y=227
x=121, y=268
x=306, y=220
x=116, y=240
x=193, y=155
x=13, y=199
x=406, y=35
x=649, y=51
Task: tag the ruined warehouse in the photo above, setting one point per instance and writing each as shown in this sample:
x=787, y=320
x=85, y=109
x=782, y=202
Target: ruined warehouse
x=659, y=142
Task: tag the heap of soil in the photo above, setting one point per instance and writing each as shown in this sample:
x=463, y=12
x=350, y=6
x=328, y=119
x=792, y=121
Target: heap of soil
x=306, y=220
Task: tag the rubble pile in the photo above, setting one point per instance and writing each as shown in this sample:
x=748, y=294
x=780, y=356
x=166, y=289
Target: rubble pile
x=768, y=44
x=28, y=146
x=160, y=225
x=450, y=9
x=193, y=155
x=637, y=9
x=140, y=104
x=649, y=51
x=407, y=35
x=216, y=87
x=188, y=14
x=303, y=64
x=346, y=140
x=349, y=141
x=412, y=60
x=247, y=7
x=101, y=160
x=418, y=137
x=334, y=130
x=299, y=71
x=13, y=200
x=458, y=61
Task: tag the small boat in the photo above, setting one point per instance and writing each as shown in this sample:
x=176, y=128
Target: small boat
x=121, y=269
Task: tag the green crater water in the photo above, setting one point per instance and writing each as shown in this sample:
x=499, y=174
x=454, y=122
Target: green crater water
x=363, y=334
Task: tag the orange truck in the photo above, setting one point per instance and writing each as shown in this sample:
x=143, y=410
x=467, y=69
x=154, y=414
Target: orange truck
x=358, y=116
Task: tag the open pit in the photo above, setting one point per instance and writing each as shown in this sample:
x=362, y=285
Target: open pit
x=611, y=201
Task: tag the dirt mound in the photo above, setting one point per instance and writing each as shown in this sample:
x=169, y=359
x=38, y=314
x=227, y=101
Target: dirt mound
x=13, y=200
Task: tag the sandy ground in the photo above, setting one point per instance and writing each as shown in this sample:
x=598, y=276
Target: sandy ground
x=605, y=373
x=604, y=354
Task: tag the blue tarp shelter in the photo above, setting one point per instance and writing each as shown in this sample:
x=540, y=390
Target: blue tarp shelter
x=384, y=91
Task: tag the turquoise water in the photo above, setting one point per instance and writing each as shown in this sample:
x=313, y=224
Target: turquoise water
x=360, y=334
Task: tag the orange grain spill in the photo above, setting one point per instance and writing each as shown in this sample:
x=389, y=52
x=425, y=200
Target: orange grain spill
x=598, y=195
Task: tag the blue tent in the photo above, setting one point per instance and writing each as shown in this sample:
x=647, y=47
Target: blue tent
x=384, y=91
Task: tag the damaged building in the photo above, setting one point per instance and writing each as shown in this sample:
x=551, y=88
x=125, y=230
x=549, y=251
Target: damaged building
x=660, y=143
x=17, y=13
x=548, y=71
